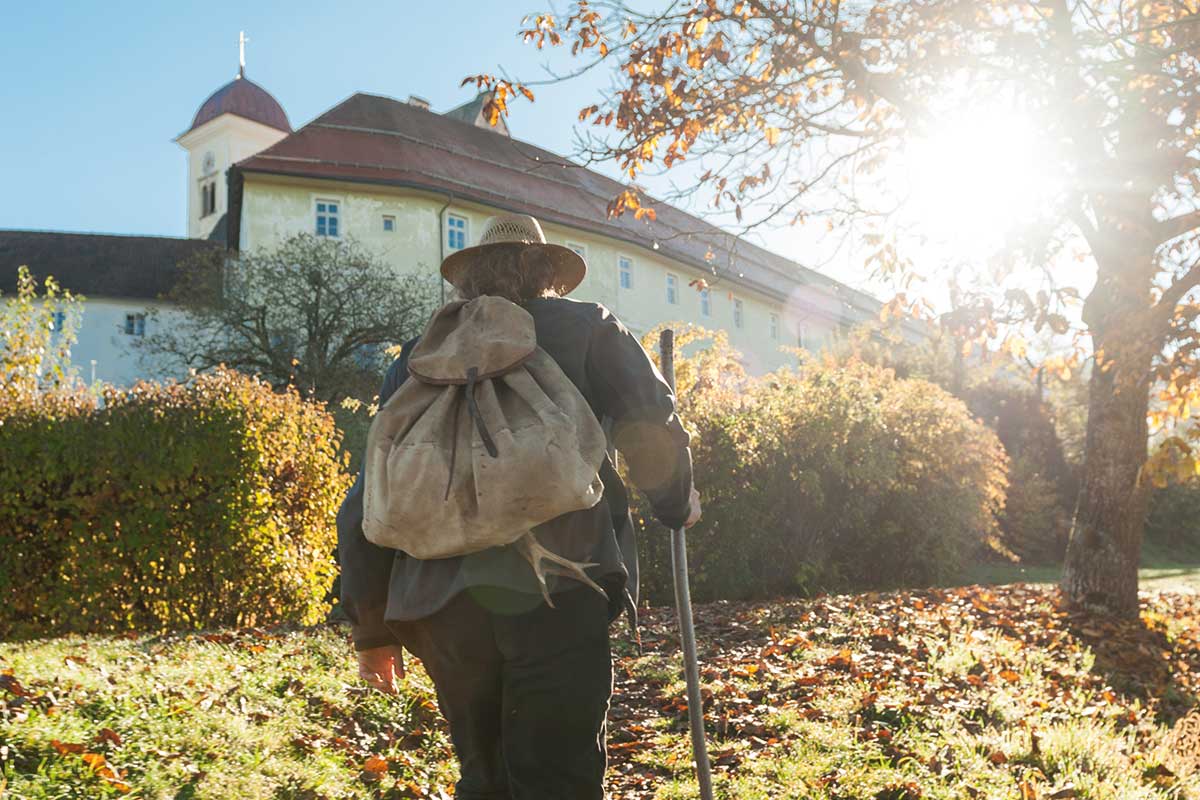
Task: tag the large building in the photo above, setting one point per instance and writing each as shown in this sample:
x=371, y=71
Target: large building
x=412, y=185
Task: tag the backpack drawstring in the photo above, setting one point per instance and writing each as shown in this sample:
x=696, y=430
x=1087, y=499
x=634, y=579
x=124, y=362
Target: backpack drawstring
x=473, y=409
x=477, y=418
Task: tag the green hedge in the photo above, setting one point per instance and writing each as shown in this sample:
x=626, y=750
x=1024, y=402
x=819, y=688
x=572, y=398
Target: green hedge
x=166, y=506
x=1173, y=522
x=833, y=476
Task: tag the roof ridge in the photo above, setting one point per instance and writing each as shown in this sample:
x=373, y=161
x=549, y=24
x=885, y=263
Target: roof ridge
x=708, y=233
x=51, y=232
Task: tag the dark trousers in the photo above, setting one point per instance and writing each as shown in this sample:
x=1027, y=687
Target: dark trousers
x=525, y=688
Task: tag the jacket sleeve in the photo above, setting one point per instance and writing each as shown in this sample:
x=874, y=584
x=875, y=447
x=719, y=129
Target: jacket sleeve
x=647, y=431
x=366, y=568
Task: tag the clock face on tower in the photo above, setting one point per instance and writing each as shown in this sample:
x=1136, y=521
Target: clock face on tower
x=209, y=164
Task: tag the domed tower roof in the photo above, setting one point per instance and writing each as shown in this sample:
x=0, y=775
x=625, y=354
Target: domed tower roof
x=245, y=98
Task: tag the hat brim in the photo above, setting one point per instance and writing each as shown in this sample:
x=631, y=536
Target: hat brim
x=569, y=266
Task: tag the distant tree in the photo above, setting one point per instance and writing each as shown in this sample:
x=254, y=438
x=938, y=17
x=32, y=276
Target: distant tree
x=316, y=313
x=795, y=108
x=36, y=335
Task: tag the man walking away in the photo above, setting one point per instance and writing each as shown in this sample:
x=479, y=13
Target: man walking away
x=524, y=684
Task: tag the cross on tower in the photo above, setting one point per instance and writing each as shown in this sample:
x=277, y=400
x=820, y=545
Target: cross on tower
x=242, y=54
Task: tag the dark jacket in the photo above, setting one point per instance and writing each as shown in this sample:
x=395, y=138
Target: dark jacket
x=629, y=396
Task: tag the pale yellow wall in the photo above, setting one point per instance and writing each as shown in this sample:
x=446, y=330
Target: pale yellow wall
x=230, y=139
x=273, y=211
x=275, y=208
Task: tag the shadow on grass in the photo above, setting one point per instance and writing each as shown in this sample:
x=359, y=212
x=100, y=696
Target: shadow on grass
x=1140, y=658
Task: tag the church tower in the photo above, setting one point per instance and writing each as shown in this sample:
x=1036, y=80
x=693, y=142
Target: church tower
x=235, y=122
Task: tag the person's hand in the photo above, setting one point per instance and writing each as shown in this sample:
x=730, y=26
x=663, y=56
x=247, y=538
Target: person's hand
x=694, y=512
x=381, y=667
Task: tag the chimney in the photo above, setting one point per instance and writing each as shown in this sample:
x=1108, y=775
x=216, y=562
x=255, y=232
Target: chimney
x=419, y=102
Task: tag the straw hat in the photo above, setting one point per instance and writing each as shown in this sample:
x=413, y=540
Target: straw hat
x=569, y=266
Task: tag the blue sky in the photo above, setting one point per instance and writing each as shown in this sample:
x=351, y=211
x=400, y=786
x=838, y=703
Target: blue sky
x=102, y=89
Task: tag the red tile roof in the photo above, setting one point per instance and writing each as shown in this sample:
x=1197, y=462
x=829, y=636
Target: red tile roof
x=378, y=140
x=244, y=98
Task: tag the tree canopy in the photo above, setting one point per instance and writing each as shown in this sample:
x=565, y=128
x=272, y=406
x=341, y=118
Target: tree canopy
x=802, y=110
x=316, y=313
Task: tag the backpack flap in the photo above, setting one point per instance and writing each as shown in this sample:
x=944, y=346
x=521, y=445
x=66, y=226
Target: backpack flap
x=489, y=335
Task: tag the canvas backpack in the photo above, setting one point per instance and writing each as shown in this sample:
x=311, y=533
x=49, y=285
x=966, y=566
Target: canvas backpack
x=487, y=439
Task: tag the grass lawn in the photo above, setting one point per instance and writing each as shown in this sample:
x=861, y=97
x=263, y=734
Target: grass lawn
x=1162, y=570
x=952, y=693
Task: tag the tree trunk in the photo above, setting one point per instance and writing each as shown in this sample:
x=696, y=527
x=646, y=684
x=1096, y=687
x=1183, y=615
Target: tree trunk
x=1101, y=569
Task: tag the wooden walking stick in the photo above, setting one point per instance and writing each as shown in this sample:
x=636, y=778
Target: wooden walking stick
x=683, y=607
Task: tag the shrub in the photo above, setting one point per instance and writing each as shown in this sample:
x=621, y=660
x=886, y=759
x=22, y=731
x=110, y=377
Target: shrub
x=36, y=334
x=1036, y=436
x=166, y=506
x=832, y=476
x=1173, y=523
x=1036, y=522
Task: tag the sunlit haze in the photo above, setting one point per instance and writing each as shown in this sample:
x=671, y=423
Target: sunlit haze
x=979, y=175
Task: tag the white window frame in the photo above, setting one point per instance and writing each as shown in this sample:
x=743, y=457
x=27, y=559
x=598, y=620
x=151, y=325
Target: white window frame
x=705, y=303
x=672, y=289
x=335, y=215
x=775, y=327
x=624, y=271
x=465, y=229
x=580, y=249
x=389, y=218
x=739, y=313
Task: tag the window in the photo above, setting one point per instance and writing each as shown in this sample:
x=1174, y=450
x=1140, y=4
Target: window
x=672, y=289
x=625, y=275
x=739, y=314
x=208, y=198
x=389, y=223
x=802, y=336
x=580, y=249
x=456, y=232
x=135, y=324
x=774, y=326
x=327, y=218
x=58, y=321
x=705, y=303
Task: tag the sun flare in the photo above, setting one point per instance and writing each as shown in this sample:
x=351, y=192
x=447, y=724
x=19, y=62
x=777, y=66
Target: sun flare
x=979, y=175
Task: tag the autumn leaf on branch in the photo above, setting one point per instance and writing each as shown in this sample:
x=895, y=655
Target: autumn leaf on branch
x=836, y=99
